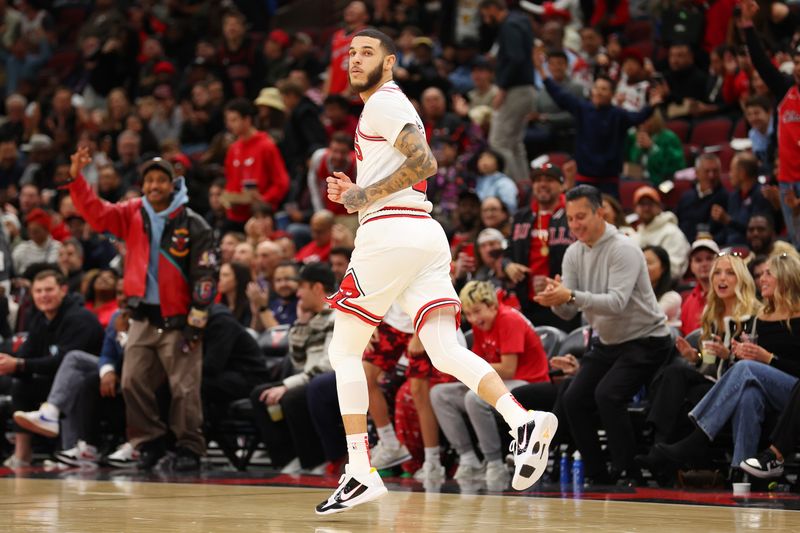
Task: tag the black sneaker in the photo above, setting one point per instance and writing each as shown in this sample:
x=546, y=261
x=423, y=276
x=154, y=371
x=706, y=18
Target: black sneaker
x=186, y=461
x=765, y=465
x=150, y=454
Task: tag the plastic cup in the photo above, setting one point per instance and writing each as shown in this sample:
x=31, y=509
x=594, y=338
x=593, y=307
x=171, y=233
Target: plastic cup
x=708, y=357
x=741, y=489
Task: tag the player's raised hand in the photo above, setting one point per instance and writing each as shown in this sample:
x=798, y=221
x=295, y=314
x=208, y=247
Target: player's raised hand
x=79, y=159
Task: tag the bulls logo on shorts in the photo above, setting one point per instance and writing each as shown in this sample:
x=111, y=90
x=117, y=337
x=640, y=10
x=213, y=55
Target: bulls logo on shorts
x=344, y=300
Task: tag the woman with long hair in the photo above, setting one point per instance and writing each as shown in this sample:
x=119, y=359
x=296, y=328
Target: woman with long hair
x=232, y=288
x=762, y=379
x=101, y=295
x=669, y=301
x=729, y=312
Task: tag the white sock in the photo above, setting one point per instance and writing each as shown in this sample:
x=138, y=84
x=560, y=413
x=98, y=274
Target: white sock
x=469, y=458
x=49, y=411
x=387, y=436
x=512, y=412
x=432, y=455
x=358, y=453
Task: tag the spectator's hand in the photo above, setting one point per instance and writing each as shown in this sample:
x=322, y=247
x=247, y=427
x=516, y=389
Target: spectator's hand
x=749, y=9
x=498, y=99
x=10, y=209
x=772, y=194
x=79, y=160
x=658, y=93
x=644, y=140
x=751, y=352
x=516, y=272
x=415, y=347
x=460, y=105
x=554, y=294
x=686, y=350
x=464, y=265
x=603, y=60
x=791, y=200
x=570, y=170
x=568, y=364
x=716, y=348
x=342, y=190
x=718, y=214
x=257, y=296
x=108, y=385
x=539, y=59
x=273, y=395
x=8, y=364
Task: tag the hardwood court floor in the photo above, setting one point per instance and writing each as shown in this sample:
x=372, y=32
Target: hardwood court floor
x=88, y=505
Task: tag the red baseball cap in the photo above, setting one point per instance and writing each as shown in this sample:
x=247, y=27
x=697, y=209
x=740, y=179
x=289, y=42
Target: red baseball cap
x=280, y=37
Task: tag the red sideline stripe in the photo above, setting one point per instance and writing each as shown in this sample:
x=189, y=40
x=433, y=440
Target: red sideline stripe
x=368, y=137
x=423, y=312
x=395, y=216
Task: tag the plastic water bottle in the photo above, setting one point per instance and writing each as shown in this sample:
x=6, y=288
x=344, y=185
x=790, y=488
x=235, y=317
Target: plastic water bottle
x=566, y=475
x=577, y=471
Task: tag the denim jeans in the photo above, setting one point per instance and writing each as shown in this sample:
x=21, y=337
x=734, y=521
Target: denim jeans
x=74, y=369
x=742, y=395
x=792, y=220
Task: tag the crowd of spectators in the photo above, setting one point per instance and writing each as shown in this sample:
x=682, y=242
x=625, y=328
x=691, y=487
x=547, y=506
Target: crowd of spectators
x=683, y=115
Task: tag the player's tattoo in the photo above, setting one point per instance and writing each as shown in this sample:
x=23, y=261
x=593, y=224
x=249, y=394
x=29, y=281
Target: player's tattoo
x=419, y=165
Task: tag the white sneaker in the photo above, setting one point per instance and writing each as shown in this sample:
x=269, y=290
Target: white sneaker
x=126, y=456
x=12, y=462
x=353, y=491
x=470, y=472
x=383, y=456
x=429, y=472
x=497, y=476
x=83, y=455
x=292, y=467
x=530, y=448
x=37, y=422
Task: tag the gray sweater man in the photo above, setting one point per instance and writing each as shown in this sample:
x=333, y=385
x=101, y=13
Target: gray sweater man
x=605, y=277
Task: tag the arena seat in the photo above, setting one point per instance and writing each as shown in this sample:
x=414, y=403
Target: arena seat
x=626, y=190
x=680, y=128
x=551, y=339
x=711, y=132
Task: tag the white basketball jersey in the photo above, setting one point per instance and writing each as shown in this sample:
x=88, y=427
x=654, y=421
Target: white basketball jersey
x=385, y=115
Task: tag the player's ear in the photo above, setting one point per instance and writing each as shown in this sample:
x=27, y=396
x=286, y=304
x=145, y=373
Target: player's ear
x=388, y=62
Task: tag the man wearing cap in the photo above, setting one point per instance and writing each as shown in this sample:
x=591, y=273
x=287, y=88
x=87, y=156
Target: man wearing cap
x=787, y=92
x=539, y=238
x=701, y=258
x=660, y=228
x=41, y=247
x=169, y=282
x=514, y=77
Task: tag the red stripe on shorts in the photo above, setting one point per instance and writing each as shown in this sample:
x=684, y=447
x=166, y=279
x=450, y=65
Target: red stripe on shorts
x=423, y=312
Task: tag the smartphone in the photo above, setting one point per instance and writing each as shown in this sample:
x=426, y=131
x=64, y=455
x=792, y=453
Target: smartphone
x=469, y=249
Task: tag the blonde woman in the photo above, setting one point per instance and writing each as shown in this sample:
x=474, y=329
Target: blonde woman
x=729, y=313
x=763, y=378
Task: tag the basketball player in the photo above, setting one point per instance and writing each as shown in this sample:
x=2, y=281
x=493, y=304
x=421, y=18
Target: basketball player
x=401, y=254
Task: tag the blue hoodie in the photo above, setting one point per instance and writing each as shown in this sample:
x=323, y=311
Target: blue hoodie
x=157, y=223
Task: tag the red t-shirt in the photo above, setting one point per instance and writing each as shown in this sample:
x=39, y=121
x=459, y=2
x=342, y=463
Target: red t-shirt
x=692, y=310
x=513, y=334
x=313, y=253
x=789, y=137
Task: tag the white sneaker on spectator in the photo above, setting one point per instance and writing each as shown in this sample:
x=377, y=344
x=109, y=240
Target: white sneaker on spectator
x=13, y=462
x=383, y=456
x=497, y=476
x=37, y=422
x=429, y=472
x=125, y=456
x=353, y=491
x=292, y=467
x=82, y=455
x=470, y=472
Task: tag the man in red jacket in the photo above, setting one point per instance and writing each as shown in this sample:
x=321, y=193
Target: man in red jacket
x=169, y=283
x=253, y=164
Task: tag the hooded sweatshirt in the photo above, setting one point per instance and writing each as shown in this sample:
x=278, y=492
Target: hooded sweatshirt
x=157, y=223
x=663, y=231
x=612, y=289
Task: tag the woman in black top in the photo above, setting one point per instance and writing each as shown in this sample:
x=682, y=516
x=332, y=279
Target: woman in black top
x=763, y=378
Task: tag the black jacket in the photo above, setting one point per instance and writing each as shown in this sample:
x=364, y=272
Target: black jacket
x=519, y=247
x=693, y=210
x=228, y=347
x=73, y=328
x=514, y=61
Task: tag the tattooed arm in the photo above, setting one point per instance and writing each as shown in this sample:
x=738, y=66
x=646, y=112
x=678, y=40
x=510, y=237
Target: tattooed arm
x=419, y=165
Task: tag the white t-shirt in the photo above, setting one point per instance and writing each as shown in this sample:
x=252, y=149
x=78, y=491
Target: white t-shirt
x=385, y=115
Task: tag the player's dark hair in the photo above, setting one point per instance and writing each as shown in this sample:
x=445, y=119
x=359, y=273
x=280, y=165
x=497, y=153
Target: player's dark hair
x=759, y=101
x=342, y=250
x=50, y=273
x=386, y=42
x=592, y=194
x=557, y=54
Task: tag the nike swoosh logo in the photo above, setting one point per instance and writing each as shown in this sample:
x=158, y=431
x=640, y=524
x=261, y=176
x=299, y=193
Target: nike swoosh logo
x=345, y=495
x=523, y=445
x=44, y=418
